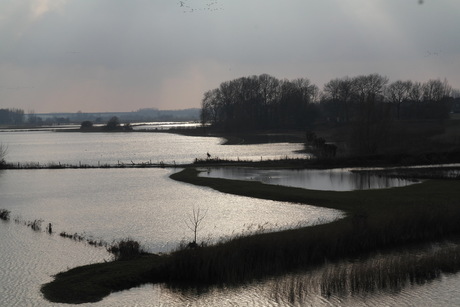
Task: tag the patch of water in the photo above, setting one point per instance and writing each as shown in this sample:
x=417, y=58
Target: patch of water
x=334, y=179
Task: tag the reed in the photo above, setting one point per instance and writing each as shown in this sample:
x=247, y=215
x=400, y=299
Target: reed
x=36, y=225
x=382, y=272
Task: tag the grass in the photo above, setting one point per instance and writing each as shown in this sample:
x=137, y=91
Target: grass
x=387, y=272
x=377, y=220
x=93, y=282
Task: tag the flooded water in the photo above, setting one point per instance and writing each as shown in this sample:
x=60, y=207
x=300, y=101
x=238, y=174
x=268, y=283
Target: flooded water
x=112, y=148
x=329, y=180
x=439, y=292
x=145, y=205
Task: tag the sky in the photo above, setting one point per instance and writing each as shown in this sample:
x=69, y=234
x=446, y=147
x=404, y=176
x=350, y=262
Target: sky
x=123, y=55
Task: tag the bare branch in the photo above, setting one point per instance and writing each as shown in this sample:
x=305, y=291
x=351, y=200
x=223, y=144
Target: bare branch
x=194, y=221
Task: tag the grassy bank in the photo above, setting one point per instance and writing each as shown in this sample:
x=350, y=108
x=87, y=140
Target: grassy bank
x=376, y=220
x=93, y=282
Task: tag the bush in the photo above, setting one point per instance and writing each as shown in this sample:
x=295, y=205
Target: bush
x=125, y=249
x=113, y=123
x=4, y=214
x=86, y=125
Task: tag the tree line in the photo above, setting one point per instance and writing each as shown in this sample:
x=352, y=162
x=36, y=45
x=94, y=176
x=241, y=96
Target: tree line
x=265, y=102
x=16, y=117
x=11, y=116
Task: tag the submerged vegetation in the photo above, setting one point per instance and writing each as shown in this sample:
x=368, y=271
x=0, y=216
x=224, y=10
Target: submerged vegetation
x=124, y=249
x=377, y=220
x=5, y=214
x=388, y=272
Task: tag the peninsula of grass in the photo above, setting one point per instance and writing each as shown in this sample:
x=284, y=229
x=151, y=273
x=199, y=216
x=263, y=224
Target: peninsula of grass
x=91, y=283
x=376, y=220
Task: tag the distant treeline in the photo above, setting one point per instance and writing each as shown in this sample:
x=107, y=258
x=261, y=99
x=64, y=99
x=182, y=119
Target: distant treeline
x=11, y=116
x=265, y=102
x=16, y=117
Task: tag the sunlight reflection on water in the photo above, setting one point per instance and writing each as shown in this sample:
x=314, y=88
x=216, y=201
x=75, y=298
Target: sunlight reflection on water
x=146, y=205
x=334, y=180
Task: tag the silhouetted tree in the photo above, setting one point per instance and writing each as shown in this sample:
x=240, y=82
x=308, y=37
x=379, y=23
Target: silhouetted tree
x=11, y=116
x=398, y=92
x=338, y=92
x=436, y=90
x=257, y=102
x=367, y=101
x=87, y=124
x=113, y=123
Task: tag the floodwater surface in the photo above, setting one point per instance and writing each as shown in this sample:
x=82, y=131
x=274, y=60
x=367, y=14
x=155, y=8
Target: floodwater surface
x=147, y=206
x=329, y=180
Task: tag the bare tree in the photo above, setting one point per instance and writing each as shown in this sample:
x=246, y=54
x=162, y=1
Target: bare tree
x=398, y=92
x=436, y=90
x=340, y=91
x=194, y=222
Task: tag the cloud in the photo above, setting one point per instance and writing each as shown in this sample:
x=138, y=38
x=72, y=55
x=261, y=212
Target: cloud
x=17, y=17
x=117, y=54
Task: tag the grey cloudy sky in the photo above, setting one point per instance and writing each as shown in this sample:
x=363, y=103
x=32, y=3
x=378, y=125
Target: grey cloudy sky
x=122, y=55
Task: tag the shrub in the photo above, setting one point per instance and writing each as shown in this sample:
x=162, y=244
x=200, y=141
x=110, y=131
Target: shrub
x=125, y=249
x=113, y=123
x=4, y=214
x=86, y=125
x=35, y=225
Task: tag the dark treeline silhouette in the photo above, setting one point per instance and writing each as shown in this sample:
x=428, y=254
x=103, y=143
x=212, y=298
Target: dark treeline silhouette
x=11, y=116
x=265, y=102
x=17, y=117
x=260, y=102
x=112, y=125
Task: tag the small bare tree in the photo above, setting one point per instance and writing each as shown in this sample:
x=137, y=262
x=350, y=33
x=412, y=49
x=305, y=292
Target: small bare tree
x=194, y=223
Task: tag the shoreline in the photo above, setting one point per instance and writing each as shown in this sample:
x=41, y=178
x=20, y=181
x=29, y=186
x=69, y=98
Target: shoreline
x=376, y=161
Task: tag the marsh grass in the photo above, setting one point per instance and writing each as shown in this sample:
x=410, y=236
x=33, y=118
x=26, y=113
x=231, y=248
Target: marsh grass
x=59, y=165
x=82, y=238
x=122, y=249
x=451, y=172
x=376, y=219
x=35, y=225
x=386, y=272
x=5, y=214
